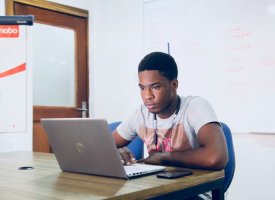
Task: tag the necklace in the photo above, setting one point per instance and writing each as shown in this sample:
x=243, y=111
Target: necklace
x=155, y=137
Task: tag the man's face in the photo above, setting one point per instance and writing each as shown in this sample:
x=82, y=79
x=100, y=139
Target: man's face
x=157, y=91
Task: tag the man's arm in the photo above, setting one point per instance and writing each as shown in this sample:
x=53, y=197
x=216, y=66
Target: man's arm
x=127, y=157
x=120, y=141
x=212, y=153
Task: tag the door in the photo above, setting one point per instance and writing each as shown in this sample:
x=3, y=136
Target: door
x=60, y=62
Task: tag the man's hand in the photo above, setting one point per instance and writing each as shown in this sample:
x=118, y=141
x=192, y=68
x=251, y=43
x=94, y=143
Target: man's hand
x=155, y=158
x=127, y=158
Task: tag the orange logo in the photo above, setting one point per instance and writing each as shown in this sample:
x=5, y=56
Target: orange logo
x=9, y=31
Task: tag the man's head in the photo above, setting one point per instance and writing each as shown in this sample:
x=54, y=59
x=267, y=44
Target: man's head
x=158, y=83
x=162, y=62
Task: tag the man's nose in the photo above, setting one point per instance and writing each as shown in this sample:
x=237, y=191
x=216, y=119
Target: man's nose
x=148, y=93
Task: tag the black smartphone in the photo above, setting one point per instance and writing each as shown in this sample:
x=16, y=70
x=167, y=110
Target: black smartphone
x=173, y=174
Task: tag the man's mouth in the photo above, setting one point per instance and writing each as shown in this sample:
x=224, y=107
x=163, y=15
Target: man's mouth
x=150, y=106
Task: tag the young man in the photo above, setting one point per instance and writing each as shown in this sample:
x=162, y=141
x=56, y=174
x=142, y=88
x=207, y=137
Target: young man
x=178, y=131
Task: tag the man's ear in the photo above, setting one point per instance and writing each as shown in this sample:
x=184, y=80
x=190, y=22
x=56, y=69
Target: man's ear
x=174, y=84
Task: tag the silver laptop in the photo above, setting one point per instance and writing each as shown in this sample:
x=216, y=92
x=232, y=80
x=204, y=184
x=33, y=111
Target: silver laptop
x=85, y=145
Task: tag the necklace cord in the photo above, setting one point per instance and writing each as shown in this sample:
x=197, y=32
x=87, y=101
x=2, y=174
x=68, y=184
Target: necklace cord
x=155, y=139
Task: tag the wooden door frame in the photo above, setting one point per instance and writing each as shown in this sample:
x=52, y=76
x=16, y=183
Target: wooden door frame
x=70, y=11
x=47, y=5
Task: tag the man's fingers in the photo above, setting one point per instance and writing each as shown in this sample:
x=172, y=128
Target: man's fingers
x=141, y=160
x=126, y=156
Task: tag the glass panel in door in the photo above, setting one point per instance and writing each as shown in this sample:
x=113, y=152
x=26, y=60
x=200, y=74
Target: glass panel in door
x=53, y=66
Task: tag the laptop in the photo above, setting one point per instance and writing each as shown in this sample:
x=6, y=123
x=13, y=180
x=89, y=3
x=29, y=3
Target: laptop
x=85, y=145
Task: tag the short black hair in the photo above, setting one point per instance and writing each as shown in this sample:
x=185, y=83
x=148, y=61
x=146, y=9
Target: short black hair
x=160, y=61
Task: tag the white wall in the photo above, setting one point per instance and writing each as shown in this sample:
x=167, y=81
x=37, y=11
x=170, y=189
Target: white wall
x=2, y=7
x=116, y=49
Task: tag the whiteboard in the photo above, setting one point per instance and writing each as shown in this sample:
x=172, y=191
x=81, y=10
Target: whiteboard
x=225, y=51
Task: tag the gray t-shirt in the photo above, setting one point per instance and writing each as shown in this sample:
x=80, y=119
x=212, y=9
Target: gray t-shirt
x=176, y=133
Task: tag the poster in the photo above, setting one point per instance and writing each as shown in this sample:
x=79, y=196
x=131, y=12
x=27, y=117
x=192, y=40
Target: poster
x=13, y=77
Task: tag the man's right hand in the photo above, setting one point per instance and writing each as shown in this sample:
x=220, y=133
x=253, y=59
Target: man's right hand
x=127, y=158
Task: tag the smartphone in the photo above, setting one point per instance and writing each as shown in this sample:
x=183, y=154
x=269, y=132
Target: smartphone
x=173, y=174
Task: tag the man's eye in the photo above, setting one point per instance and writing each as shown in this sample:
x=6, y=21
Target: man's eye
x=141, y=88
x=156, y=87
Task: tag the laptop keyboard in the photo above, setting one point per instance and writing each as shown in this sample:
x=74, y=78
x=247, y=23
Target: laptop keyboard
x=136, y=169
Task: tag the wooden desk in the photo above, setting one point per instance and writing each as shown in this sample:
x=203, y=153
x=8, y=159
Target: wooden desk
x=47, y=181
